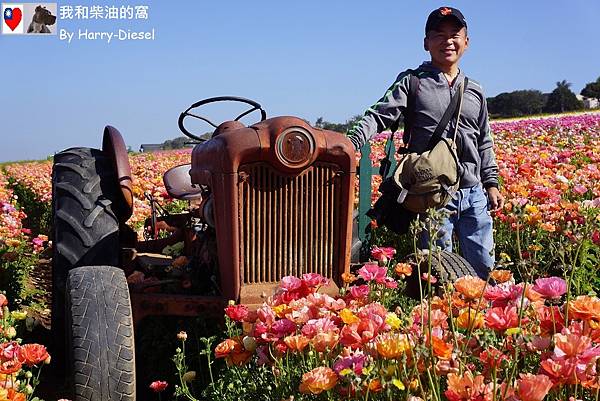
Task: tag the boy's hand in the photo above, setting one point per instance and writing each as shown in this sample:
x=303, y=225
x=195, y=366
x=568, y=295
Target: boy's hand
x=495, y=198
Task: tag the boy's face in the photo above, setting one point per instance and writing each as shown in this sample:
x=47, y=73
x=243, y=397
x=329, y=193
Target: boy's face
x=447, y=43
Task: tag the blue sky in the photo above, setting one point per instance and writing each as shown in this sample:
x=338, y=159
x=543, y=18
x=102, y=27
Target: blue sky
x=305, y=58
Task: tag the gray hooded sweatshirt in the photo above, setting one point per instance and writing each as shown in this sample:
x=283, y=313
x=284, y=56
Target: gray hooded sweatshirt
x=474, y=140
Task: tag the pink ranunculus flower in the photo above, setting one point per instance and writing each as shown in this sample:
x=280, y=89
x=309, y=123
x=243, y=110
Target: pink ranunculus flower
x=290, y=283
x=314, y=279
x=373, y=272
x=354, y=362
x=550, y=287
x=533, y=387
x=579, y=189
x=382, y=254
x=390, y=283
x=283, y=327
x=314, y=326
x=359, y=291
x=501, y=319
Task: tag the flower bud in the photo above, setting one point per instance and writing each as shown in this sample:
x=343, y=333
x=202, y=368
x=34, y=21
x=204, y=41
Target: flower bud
x=189, y=376
x=249, y=343
x=10, y=332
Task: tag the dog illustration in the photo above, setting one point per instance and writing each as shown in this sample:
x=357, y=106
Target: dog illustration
x=41, y=19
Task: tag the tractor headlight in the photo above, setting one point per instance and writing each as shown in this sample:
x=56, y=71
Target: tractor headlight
x=295, y=147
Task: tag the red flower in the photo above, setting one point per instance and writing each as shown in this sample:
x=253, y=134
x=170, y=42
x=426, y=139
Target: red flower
x=445, y=11
x=33, y=354
x=237, y=312
x=158, y=386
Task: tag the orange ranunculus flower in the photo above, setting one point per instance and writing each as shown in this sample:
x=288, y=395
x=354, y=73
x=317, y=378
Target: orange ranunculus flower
x=3, y=300
x=585, y=307
x=296, y=343
x=470, y=318
x=239, y=357
x=442, y=349
x=33, y=354
x=465, y=387
x=318, y=380
x=391, y=346
x=374, y=386
x=349, y=278
x=232, y=349
x=325, y=341
x=470, y=287
x=533, y=387
x=501, y=276
x=403, y=269
x=225, y=348
x=10, y=366
x=348, y=317
x=11, y=395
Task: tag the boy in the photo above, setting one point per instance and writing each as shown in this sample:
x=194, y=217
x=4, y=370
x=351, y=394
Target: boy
x=446, y=41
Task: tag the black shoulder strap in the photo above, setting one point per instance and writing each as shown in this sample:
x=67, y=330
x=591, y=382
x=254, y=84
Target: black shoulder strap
x=388, y=163
x=450, y=111
x=409, y=115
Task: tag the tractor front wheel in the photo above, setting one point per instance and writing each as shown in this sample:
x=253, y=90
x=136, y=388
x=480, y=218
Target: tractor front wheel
x=100, y=337
x=446, y=267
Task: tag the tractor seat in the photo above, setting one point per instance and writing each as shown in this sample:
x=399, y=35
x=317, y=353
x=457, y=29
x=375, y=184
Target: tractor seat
x=178, y=183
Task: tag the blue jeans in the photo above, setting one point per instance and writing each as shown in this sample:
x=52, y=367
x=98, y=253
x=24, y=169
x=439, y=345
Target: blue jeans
x=470, y=219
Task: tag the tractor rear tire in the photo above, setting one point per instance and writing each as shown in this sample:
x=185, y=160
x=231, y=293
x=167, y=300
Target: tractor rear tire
x=85, y=228
x=100, y=334
x=447, y=269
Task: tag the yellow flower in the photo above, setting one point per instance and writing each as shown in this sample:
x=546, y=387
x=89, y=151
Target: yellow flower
x=392, y=346
x=280, y=310
x=393, y=320
x=12, y=242
x=469, y=318
x=514, y=330
x=531, y=209
x=348, y=317
x=19, y=315
x=398, y=383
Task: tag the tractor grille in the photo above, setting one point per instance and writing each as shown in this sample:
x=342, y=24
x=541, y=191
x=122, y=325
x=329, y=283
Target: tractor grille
x=289, y=225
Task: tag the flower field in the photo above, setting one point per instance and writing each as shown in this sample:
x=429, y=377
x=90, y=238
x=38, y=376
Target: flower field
x=531, y=332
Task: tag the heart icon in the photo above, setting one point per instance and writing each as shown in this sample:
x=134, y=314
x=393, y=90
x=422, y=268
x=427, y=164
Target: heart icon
x=12, y=17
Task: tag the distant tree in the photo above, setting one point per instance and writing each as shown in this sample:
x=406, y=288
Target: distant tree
x=592, y=89
x=517, y=103
x=176, y=143
x=339, y=127
x=562, y=99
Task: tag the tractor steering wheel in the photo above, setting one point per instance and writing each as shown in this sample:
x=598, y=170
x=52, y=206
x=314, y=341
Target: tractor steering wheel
x=186, y=113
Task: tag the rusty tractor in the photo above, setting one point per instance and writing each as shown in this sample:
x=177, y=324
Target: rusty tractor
x=265, y=201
